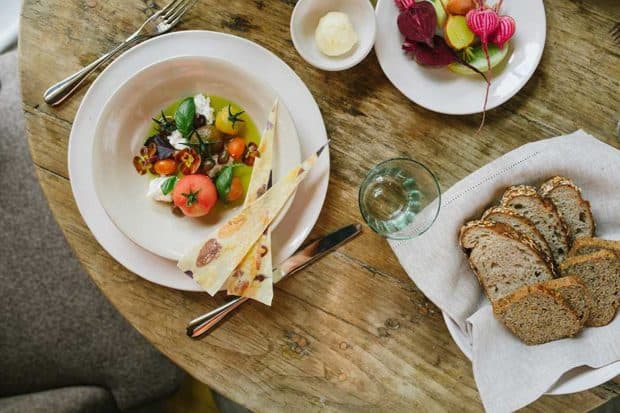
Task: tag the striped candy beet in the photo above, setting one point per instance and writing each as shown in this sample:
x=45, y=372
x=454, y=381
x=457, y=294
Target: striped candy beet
x=483, y=22
x=504, y=32
x=404, y=4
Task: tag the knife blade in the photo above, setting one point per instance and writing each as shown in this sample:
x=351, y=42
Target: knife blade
x=296, y=262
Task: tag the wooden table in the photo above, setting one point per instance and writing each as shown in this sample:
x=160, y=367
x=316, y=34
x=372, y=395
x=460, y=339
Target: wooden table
x=352, y=332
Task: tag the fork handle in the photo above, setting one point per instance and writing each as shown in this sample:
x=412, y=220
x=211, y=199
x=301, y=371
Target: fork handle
x=201, y=325
x=65, y=88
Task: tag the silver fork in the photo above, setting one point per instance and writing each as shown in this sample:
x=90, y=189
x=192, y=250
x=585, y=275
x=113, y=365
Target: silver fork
x=160, y=22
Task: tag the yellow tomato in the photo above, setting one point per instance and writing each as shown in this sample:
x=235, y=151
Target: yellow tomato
x=228, y=120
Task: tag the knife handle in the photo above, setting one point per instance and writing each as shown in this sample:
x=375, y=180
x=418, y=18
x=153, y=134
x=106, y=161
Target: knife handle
x=201, y=325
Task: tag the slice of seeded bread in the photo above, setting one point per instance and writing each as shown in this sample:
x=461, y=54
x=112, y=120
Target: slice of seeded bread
x=537, y=315
x=520, y=224
x=574, y=210
x=575, y=293
x=600, y=272
x=525, y=201
x=588, y=245
x=502, y=259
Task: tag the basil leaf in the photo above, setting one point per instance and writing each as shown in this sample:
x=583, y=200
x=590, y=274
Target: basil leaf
x=223, y=182
x=168, y=185
x=184, y=117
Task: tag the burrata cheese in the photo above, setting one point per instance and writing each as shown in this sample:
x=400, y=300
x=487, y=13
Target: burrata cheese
x=335, y=34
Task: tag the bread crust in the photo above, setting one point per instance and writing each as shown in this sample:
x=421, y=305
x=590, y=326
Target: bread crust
x=570, y=281
x=501, y=306
x=557, y=181
x=599, y=243
x=552, y=183
x=505, y=230
x=502, y=230
x=488, y=216
x=516, y=191
x=588, y=258
x=580, y=259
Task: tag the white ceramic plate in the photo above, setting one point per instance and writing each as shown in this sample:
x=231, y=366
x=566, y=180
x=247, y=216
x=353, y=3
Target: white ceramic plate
x=268, y=68
x=576, y=380
x=123, y=126
x=440, y=90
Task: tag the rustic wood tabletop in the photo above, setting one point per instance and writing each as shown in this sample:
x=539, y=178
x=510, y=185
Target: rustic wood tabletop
x=351, y=332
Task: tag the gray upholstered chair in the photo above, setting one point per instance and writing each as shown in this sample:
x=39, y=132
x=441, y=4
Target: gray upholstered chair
x=63, y=347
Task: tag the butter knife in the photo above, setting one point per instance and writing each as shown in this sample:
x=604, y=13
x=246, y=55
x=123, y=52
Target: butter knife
x=305, y=256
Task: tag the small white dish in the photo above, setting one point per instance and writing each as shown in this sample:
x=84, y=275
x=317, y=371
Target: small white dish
x=122, y=129
x=439, y=89
x=270, y=70
x=305, y=18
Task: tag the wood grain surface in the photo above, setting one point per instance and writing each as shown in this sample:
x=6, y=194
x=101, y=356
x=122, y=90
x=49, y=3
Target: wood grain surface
x=352, y=332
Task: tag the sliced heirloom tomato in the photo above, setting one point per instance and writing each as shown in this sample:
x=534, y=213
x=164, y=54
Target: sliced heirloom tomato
x=229, y=187
x=236, y=189
x=194, y=195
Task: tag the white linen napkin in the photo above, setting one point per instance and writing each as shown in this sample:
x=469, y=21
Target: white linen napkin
x=508, y=373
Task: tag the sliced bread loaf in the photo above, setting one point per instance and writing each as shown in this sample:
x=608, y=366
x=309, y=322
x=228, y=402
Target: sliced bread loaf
x=600, y=272
x=520, y=224
x=574, y=210
x=588, y=245
x=502, y=259
x=575, y=294
x=537, y=315
x=525, y=200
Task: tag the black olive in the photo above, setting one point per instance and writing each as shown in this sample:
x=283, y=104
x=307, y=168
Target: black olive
x=208, y=165
x=223, y=157
x=199, y=121
x=177, y=211
x=217, y=146
x=249, y=158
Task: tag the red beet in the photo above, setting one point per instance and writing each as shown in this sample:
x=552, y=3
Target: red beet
x=417, y=21
x=438, y=55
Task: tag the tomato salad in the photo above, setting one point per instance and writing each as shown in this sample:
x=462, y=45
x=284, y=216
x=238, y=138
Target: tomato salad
x=199, y=153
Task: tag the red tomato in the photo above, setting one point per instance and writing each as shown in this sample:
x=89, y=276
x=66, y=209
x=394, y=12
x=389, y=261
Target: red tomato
x=236, y=148
x=195, y=195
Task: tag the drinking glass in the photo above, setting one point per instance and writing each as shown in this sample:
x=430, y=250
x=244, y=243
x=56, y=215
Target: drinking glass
x=400, y=198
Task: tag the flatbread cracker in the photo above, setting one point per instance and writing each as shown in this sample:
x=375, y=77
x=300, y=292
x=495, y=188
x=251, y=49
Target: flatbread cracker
x=253, y=277
x=211, y=262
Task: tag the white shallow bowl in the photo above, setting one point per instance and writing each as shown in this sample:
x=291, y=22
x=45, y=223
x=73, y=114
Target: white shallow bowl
x=439, y=89
x=305, y=18
x=304, y=211
x=123, y=126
